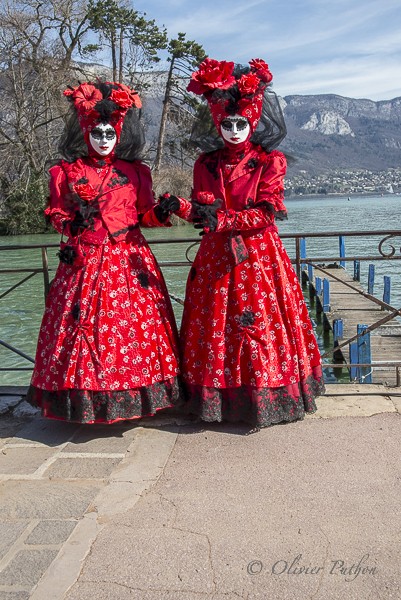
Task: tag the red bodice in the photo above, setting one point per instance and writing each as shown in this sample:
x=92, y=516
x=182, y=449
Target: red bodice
x=123, y=192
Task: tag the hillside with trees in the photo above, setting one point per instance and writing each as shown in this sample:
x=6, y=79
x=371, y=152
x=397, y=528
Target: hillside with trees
x=46, y=45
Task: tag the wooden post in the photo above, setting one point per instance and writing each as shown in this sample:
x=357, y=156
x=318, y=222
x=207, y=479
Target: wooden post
x=338, y=329
x=341, y=241
x=387, y=289
x=310, y=273
x=357, y=270
x=364, y=354
x=371, y=279
x=318, y=295
x=303, y=251
x=353, y=358
x=326, y=295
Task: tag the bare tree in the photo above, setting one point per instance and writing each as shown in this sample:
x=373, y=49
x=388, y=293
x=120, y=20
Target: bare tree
x=38, y=40
x=184, y=56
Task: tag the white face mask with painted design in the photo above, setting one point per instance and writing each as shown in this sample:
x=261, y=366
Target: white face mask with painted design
x=103, y=138
x=235, y=129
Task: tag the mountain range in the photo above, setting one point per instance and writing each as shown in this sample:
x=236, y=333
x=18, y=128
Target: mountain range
x=329, y=132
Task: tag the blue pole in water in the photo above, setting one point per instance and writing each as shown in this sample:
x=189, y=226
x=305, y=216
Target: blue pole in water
x=326, y=295
x=318, y=286
x=341, y=241
x=302, y=242
x=357, y=270
x=387, y=289
x=338, y=329
x=310, y=273
x=353, y=358
x=371, y=279
x=364, y=354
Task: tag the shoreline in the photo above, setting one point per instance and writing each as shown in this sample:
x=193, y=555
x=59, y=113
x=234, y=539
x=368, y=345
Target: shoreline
x=340, y=195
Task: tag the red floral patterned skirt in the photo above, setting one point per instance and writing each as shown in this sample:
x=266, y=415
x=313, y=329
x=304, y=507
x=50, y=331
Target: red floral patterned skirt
x=107, y=347
x=249, y=352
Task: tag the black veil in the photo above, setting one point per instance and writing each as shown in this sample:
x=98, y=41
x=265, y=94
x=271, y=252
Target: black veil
x=269, y=133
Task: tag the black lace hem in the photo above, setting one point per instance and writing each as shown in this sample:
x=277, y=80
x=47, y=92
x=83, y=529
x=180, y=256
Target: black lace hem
x=87, y=406
x=259, y=407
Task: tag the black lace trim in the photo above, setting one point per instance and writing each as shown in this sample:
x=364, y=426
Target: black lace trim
x=86, y=406
x=259, y=407
x=119, y=178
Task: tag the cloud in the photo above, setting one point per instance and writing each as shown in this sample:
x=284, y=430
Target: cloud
x=345, y=47
x=363, y=78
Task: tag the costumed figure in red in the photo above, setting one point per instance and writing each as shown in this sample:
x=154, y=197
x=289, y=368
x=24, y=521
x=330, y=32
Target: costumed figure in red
x=249, y=352
x=107, y=348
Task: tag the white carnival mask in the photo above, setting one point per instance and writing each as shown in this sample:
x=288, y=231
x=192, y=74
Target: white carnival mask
x=103, y=138
x=235, y=129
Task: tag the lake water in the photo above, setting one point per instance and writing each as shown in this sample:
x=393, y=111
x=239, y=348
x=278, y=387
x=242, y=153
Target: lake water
x=21, y=311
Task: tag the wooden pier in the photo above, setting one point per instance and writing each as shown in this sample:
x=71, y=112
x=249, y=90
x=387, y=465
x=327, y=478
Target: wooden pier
x=350, y=304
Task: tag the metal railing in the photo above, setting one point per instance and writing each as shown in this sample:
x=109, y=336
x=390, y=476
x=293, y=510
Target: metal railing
x=299, y=261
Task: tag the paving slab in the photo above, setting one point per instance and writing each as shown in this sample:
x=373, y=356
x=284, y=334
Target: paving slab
x=27, y=567
x=14, y=595
x=22, y=460
x=44, y=499
x=82, y=468
x=9, y=534
x=47, y=432
x=51, y=532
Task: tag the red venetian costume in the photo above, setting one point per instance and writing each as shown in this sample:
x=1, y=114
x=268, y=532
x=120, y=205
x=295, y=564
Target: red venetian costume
x=107, y=347
x=249, y=352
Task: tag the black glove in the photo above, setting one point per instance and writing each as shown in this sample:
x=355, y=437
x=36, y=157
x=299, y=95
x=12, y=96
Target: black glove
x=78, y=222
x=167, y=205
x=205, y=215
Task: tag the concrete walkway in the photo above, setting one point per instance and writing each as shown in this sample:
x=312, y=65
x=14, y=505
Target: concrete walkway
x=165, y=509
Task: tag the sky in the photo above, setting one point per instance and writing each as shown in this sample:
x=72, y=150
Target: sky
x=347, y=47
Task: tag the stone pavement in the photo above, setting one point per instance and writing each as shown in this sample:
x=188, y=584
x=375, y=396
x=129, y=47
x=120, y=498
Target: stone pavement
x=165, y=509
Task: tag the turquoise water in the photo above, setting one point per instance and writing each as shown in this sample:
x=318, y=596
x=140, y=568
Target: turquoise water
x=21, y=311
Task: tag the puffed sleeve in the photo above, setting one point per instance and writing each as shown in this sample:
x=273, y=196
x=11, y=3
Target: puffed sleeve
x=146, y=202
x=145, y=195
x=60, y=210
x=271, y=187
x=268, y=203
x=146, y=199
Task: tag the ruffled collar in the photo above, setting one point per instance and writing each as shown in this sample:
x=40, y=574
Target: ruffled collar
x=99, y=162
x=233, y=153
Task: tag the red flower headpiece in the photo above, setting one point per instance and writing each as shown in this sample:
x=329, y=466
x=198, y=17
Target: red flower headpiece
x=97, y=102
x=212, y=75
x=228, y=94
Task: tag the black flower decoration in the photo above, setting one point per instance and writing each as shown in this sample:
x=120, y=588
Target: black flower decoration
x=75, y=311
x=211, y=165
x=143, y=279
x=119, y=178
x=67, y=255
x=252, y=163
x=247, y=318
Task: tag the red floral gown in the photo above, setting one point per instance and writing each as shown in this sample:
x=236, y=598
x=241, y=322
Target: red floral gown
x=248, y=348
x=107, y=347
